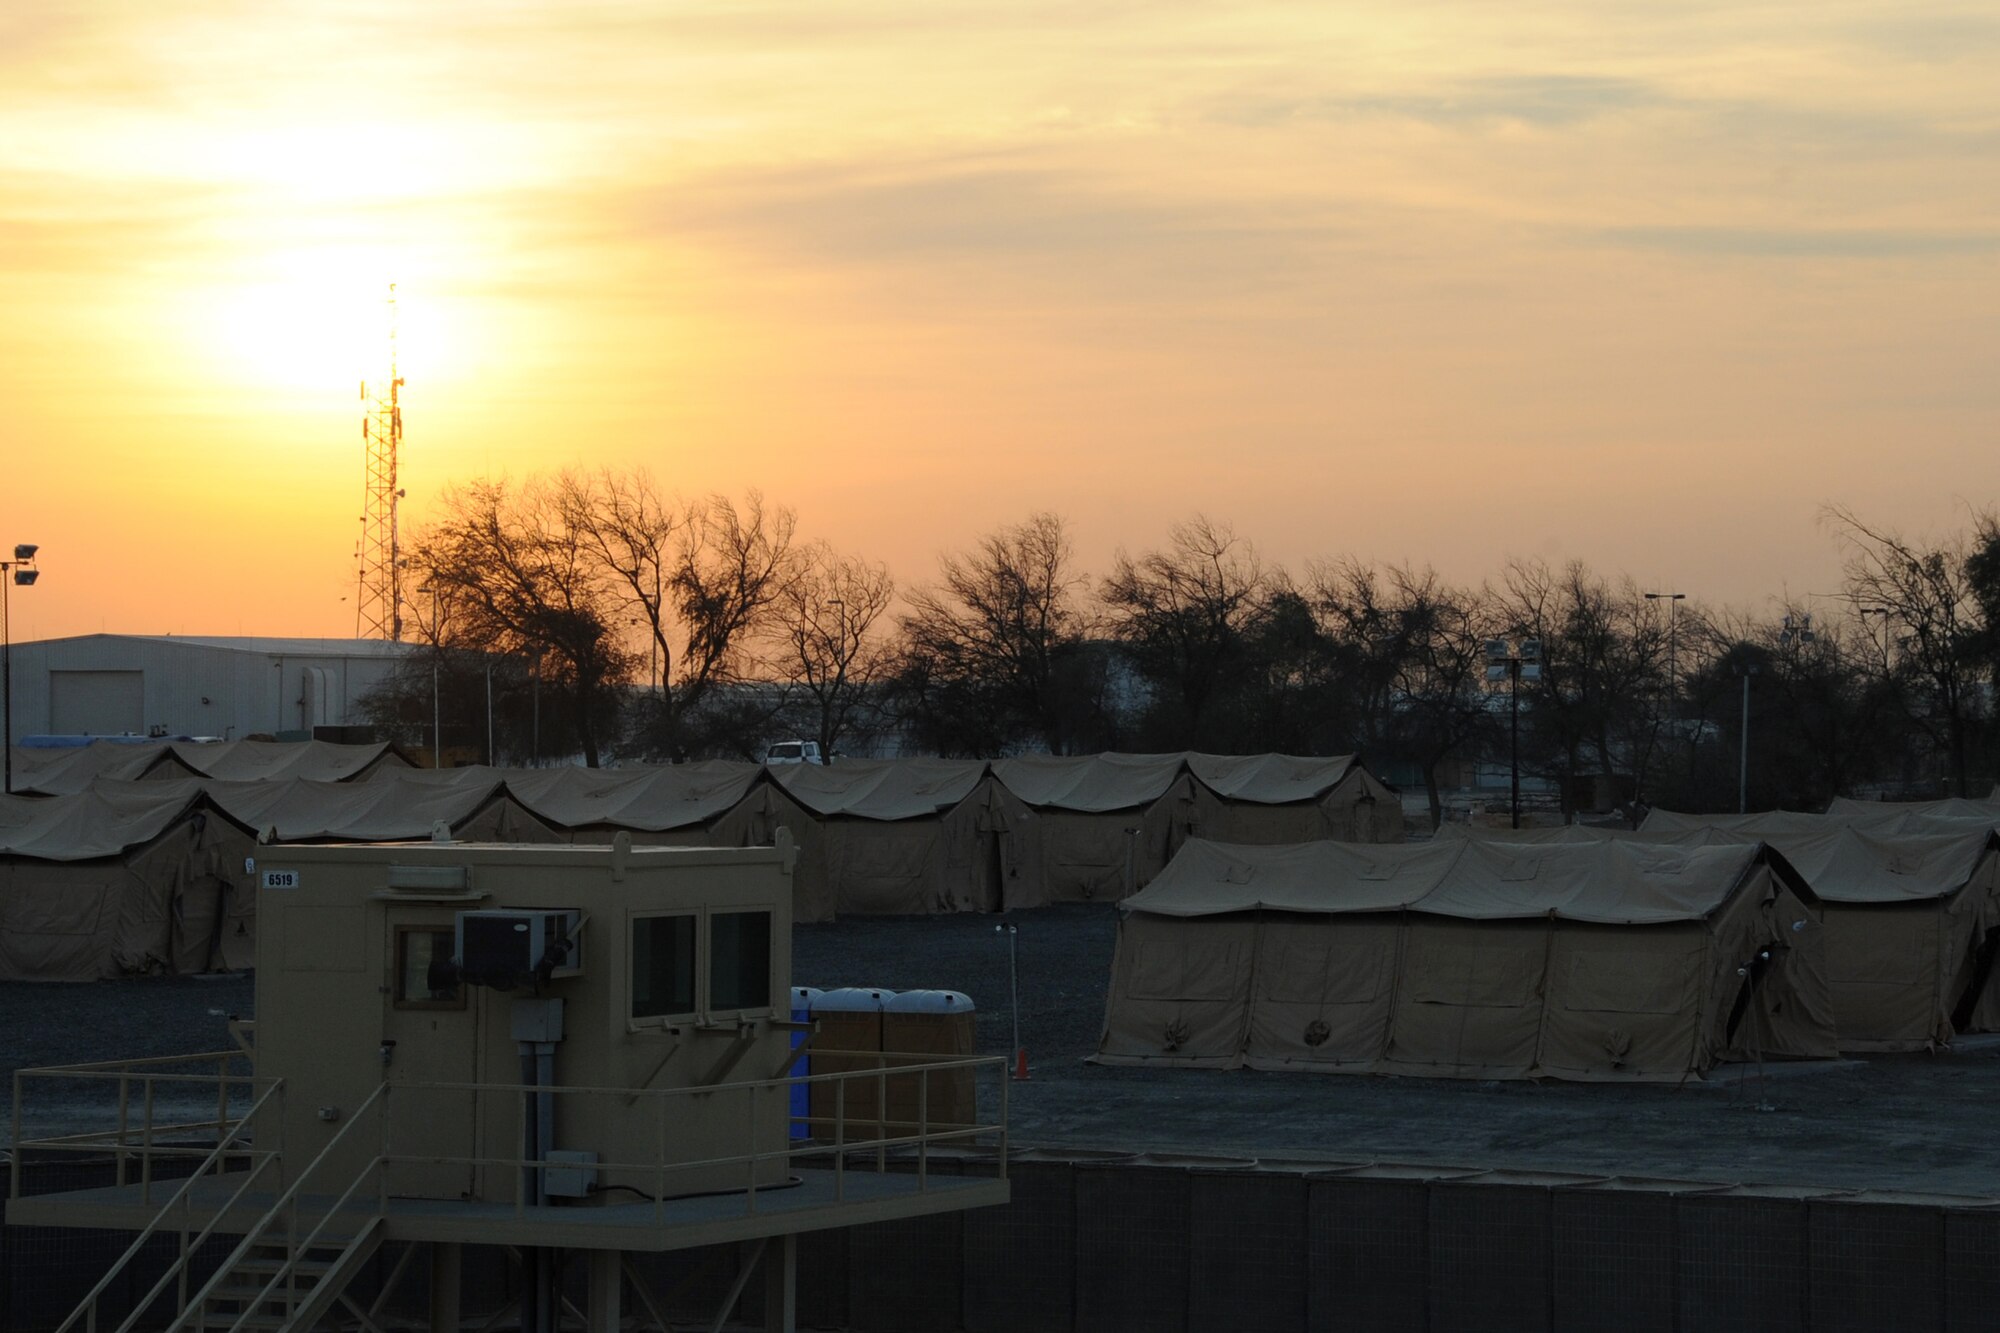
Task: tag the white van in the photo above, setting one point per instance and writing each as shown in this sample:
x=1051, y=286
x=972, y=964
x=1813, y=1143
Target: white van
x=794, y=752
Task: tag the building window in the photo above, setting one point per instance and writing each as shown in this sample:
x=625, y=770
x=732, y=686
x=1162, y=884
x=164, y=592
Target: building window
x=418, y=948
x=662, y=965
x=739, y=961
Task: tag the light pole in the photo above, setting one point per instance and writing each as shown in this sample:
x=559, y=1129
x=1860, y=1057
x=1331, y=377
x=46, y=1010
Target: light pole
x=1746, y=670
x=1673, y=601
x=21, y=570
x=1509, y=659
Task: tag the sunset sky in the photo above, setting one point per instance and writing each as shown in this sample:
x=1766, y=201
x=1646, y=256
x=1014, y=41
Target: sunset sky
x=1644, y=284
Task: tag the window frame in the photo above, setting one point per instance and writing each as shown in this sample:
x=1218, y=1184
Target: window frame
x=704, y=967
x=398, y=969
x=674, y=1018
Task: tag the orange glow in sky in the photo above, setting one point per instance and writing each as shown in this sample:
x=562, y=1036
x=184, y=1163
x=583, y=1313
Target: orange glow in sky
x=1447, y=282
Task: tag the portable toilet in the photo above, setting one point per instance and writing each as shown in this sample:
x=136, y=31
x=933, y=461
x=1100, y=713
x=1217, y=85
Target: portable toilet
x=802, y=1003
x=849, y=1037
x=929, y=1023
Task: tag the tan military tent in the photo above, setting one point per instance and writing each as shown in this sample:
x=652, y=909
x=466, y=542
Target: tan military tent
x=1912, y=919
x=1608, y=960
x=1952, y=807
x=713, y=803
x=64, y=770
x=909, y=835
x=397, y=805
x=1103, y=825
x=98, y=884
x=1284, y=798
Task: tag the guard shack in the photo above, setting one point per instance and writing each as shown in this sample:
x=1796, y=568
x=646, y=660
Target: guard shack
x=553, y=1050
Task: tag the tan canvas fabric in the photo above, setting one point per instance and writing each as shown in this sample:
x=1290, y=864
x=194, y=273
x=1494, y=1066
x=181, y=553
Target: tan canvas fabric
x=95, y=885
x=1469, y=998
x=1605, y=960
x=1278, y=798
x=651, y=799
x=1906, y=914
x=1100, y=826
x=394, y=806
x=754, y=821
x=71, y=769
x=253, y=761
x=1180, y=991
x=1322, y=991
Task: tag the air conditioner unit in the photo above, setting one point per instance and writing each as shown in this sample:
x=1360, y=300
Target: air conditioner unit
x=511, y=947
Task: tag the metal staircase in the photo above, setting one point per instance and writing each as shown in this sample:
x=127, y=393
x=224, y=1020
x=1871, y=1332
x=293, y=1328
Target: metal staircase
x=296, y=1261
x=268, y=1286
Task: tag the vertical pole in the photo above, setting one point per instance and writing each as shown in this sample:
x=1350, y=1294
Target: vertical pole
x=489, y=712
x=437, y=720
x=606, y=1289
x=1743, y=757
x=445, y=1286
x=7, y=673
x=781, y=1270
x=1673, y=663
x=1514, y=733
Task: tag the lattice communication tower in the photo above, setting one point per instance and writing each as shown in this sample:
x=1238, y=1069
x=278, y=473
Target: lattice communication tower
x=378, y=611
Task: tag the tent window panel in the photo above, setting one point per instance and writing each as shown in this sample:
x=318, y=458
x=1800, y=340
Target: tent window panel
x=66, y=911
x=739, y=961
x=1328, y=973
x=1499, y=978
x=1164, y=970
x=1626, y=981
x=663, y=965
x=1882, y=947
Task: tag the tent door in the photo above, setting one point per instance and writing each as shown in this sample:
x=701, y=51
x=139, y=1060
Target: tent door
x=436, y=1036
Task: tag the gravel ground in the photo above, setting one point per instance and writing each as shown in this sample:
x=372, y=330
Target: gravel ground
x=1909, y=1122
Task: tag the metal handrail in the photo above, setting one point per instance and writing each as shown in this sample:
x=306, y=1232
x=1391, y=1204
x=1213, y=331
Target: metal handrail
x=286, y=1206
x=884, y=1139
x=87, y=1308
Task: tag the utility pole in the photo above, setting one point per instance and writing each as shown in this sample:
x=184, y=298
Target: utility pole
x=378, y=608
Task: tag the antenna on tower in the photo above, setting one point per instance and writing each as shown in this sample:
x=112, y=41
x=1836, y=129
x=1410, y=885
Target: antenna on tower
x=378, y=610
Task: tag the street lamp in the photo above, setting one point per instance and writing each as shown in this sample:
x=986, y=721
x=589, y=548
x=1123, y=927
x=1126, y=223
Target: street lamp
x=1673, y=600
x=1509, y=660
x=23, y=571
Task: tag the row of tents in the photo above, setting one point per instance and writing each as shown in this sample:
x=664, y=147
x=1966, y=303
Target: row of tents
x=1569, y=953
x=145, y=873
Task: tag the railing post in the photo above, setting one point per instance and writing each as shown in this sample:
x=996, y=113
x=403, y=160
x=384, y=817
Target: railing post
x=923, y=1132
x=881, y=1113
x=146, y=1149
x=382, y=1154
x=840, y=1138
x=124, y=1121
x=660, y=1194
x=750, y=1201
x=14, y=1158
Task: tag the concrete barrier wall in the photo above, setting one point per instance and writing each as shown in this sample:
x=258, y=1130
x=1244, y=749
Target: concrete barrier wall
x=1105, y=1242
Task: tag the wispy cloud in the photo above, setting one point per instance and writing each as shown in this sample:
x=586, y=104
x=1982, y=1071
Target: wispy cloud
x=1804, y=243
x=1542, y=100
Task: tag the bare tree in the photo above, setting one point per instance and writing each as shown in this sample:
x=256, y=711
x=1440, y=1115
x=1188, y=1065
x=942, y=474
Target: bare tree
x=988, y=655
x=1185, y=615
x=1595, y=701
x=517, y=578
x=1926, y=591
x=702, y=580
x=827, y=615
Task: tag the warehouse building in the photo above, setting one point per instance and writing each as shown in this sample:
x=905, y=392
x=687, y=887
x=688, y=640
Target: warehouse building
x=166, y=685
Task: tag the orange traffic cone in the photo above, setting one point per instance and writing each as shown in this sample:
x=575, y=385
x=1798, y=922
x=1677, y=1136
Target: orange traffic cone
x=1021, y=1065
